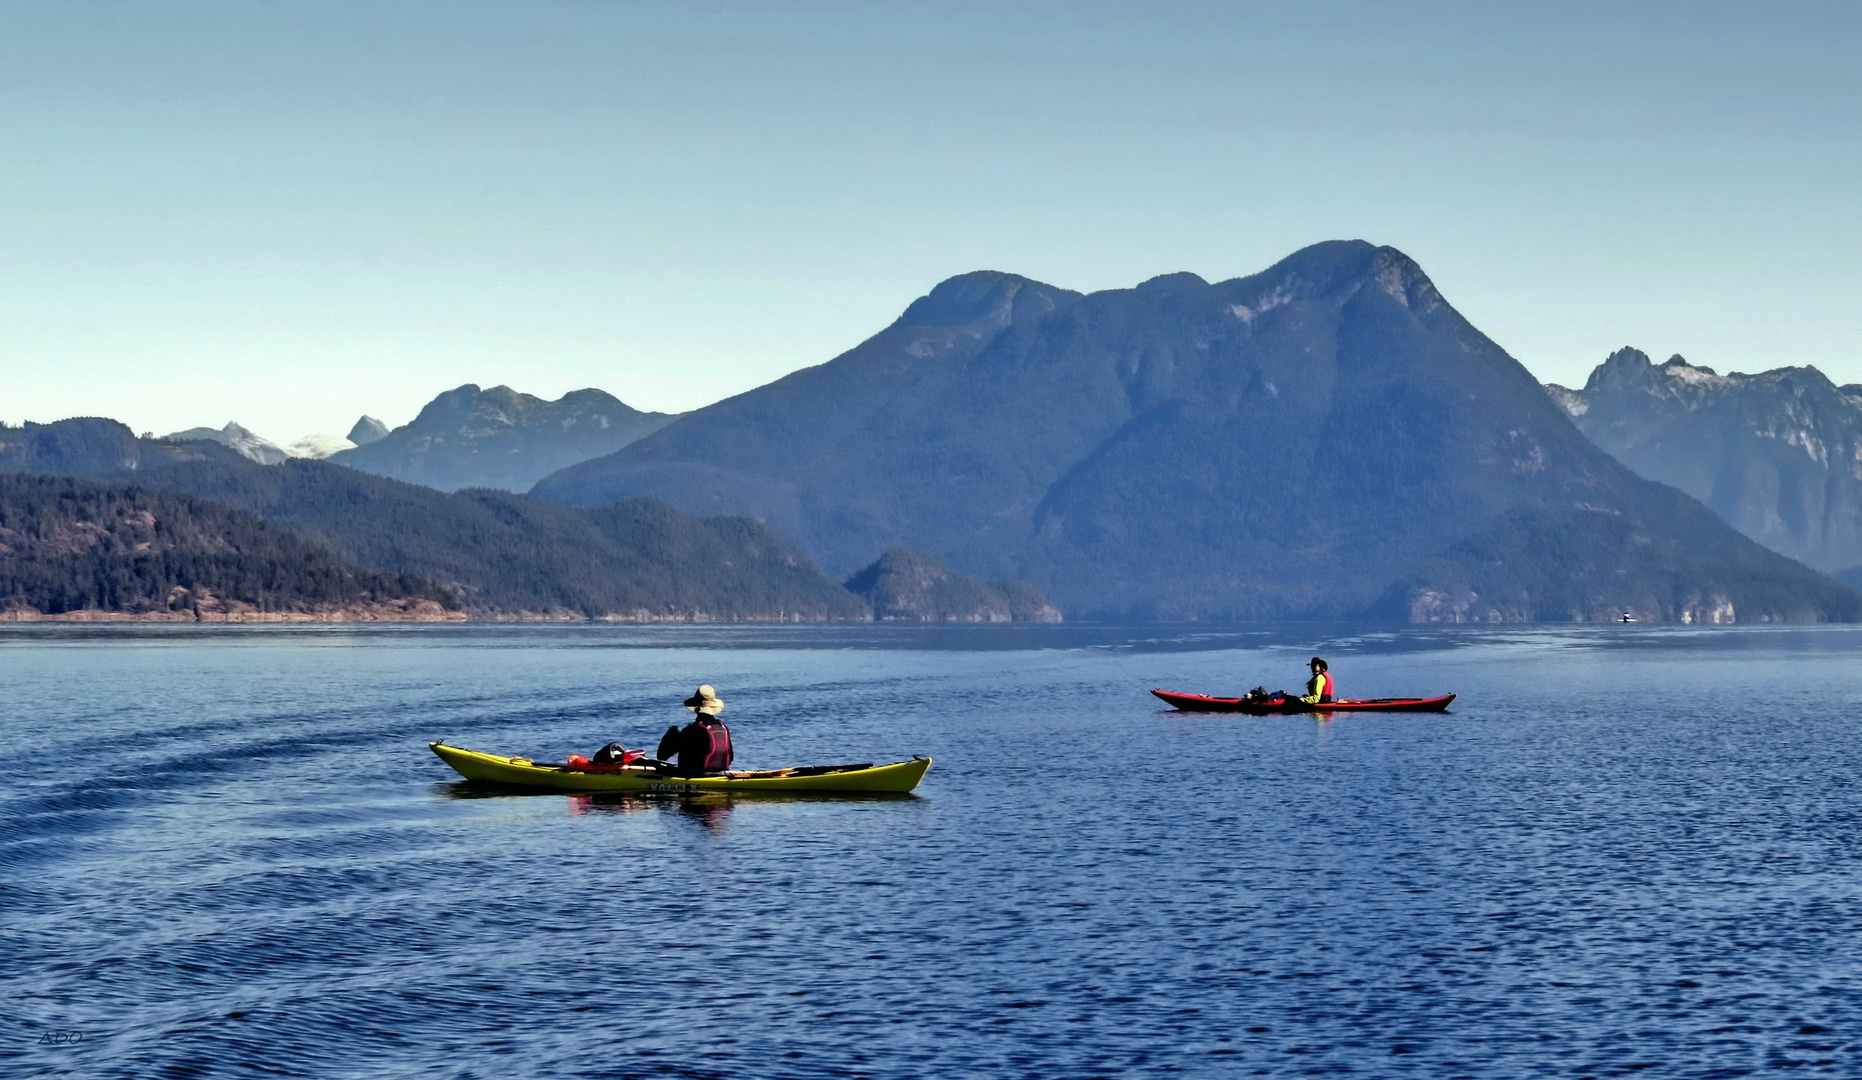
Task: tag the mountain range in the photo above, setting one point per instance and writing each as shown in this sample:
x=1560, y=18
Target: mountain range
x=255, y=447
x=499, y=438
x=1328, y=437
x=1778, y=454
x=464, y=438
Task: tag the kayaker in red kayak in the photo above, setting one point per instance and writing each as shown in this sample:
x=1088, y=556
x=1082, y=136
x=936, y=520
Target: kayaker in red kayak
x=704, y=745
x=1319, y=689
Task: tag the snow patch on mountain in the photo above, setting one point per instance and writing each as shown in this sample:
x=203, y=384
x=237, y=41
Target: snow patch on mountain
x=1681, y=371
x=237, y=438
x=318, y=447
x=1571, y=401
x=1247, y=313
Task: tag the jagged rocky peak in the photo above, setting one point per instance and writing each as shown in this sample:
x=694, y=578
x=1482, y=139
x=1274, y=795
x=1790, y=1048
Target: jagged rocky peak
x=1630, y=371
x=367, y=430
x=1623, y=369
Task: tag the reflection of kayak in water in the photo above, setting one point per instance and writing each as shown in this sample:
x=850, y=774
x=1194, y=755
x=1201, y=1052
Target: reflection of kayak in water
x=522, y=772
x=1265, y=706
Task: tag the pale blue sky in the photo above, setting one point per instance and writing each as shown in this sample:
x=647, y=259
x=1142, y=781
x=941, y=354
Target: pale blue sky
x=290, y=214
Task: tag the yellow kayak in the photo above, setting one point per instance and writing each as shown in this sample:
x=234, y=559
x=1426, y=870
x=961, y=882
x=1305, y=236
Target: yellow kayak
x=897, y=778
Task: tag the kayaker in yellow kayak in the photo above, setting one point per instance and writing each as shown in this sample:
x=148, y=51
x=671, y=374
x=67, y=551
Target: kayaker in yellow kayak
x=704, y=745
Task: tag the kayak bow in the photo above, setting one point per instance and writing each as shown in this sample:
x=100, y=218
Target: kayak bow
x=1264, y=707
x=896, y=778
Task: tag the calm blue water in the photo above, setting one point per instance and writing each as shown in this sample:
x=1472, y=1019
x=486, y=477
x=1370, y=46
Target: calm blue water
x=228, y=852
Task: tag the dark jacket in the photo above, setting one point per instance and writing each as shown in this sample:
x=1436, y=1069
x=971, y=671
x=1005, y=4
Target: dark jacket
x=703, y=746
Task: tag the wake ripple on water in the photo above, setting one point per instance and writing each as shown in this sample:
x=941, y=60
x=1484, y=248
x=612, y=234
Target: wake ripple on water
x=246, y=862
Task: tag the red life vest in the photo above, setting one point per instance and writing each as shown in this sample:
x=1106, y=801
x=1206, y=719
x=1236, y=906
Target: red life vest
x=1327, y=691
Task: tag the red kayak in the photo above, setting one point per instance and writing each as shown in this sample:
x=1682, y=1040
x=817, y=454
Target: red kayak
x=1265, y=706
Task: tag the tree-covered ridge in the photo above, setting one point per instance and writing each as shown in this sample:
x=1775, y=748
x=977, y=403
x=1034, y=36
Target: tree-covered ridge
x=70, y=545
x=82, y=445
x=727, y=567
x=504, y=555
x=906, y=585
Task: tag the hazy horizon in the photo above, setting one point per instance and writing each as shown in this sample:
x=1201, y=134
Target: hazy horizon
x=290, y=217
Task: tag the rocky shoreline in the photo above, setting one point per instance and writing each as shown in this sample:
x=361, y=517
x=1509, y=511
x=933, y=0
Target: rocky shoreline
x=425, y=611
x=651, y=617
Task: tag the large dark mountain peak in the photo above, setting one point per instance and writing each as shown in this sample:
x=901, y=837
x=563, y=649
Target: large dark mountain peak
x=1326, y=437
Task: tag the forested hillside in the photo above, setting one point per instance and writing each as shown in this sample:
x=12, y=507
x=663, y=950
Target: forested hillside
x=905, y=585
x=70, y=545
x=730, y=567
x=504, y=555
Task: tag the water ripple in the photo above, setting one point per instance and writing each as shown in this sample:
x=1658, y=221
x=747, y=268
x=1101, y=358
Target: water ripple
x=1622, y=854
